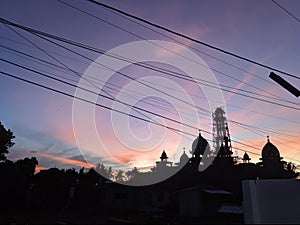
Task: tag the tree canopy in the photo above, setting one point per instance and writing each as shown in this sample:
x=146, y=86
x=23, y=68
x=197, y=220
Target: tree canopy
x=6, y=137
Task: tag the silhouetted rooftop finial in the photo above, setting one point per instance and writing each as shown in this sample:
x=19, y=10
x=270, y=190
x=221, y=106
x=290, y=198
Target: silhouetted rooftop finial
x=163, y=156
x=246, y=157
x=268, y=138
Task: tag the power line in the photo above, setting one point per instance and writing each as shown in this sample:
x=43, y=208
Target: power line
x=287, y=11
x=122, y=103
x=173, y=129
x=32, y=57
x=43, y=34
x=107, y=97
x=143, y=64
x=222, y=73
x=30, y=46
x=134, y=95
x=243, y=125
x=262, y=133
x=237, y=142
x=93, y=92
x=44, y=61
x=65, y=71
x=234, y=106
x=169, y=50
x=74, y=52
x=265, y=130
x=147, y=102
x=129, y=77
x=86, y=57
x=118, y=111
x=52, y=57
x=191, y=39
x=90, y=102
x=173, y=39
x=134, y=108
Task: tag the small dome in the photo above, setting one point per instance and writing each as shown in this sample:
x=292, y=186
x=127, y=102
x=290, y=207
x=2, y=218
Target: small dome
x=184, y=158
x=270, y=151
x=246, y=157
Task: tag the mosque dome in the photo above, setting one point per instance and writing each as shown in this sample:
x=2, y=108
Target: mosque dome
x=184, y=158
x=270, y=151
x=199, y=145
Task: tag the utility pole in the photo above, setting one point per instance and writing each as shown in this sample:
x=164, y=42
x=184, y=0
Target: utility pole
x=279, y=80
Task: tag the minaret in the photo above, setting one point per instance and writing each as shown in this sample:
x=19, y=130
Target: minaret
x=219, y=128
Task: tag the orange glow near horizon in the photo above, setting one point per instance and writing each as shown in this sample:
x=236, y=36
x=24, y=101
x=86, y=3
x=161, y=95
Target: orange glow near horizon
x=39, y=168
x=63, y=160
x=288, y=149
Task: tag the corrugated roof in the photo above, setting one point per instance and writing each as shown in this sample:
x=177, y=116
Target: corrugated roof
x=217, y=191
x=207, y=189
x=232, y=209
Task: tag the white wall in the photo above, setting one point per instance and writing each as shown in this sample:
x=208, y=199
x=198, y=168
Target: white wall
x=271, y=201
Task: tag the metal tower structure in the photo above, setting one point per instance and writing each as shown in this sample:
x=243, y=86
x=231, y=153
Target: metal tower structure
x=220, y=129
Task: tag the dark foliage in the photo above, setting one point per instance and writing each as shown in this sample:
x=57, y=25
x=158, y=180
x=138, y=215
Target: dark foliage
x=6, y=137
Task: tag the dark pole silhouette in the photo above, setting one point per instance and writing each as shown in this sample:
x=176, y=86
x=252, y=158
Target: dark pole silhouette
x=279, y=80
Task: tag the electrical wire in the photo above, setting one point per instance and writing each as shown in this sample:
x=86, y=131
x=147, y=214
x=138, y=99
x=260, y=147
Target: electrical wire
x=97, y=79
x=42, y=34
x=112, y=109
x=191, y=39
x=136, y=95
x=174, y=129
x=287, y=11
x=169, y=50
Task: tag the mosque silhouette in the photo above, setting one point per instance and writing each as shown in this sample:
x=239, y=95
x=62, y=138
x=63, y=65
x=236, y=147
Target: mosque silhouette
x=203, y=188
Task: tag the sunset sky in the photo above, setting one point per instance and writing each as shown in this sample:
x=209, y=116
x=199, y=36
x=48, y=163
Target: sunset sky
x=47, y=127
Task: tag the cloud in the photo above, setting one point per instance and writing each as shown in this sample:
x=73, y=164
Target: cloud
x=39, y=168
x=65, y=161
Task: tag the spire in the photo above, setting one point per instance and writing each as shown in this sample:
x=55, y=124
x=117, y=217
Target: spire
x=246, y=158
x=163, y=156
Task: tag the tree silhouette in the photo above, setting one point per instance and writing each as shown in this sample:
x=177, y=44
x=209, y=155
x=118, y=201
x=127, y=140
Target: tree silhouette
x=110, y=173
x=27, y=166
x=102, y=170
x=131, y=174
x=6, y=137
x=120, y=176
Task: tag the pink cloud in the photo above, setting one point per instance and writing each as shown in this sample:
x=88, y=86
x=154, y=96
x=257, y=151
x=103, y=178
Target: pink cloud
x=63, y=160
